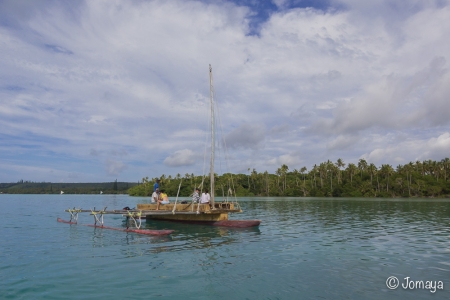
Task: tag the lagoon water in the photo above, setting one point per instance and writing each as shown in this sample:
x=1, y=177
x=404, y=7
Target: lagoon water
x=305, y=248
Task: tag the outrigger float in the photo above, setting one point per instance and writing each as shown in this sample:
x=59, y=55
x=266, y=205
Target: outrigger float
x=132, y=217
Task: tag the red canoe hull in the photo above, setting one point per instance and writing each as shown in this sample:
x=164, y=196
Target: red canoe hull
x=139, y=231
x=64, y=221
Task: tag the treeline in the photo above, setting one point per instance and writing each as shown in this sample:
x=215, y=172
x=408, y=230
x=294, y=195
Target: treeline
x=28, y=187
x=328, y=179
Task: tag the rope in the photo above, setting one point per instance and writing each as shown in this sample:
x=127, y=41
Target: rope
x=74, y=214
x=96, y=219
x=176, y=200
x=230, y=191
x=133, y=216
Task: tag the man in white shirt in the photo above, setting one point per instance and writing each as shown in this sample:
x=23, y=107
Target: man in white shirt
x=205, y=198
x=155, y=196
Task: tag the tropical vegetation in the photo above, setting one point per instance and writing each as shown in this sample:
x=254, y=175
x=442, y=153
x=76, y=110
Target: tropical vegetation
x=328, y=179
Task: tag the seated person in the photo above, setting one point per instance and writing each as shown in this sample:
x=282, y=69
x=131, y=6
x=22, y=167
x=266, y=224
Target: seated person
x=163, y=199
x=196, y=196
x=205, y=198
x=155, y=196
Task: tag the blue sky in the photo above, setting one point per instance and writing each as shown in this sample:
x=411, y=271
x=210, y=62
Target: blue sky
x=94, y=91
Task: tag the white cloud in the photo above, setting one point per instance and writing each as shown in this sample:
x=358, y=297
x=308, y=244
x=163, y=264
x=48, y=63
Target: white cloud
x=82, y=80
x=246, y=136
x=435, y=148
x=183, y=157
x=438, y=148
x=96, y=119
x=287, y=159
x=343, y=142
x=114, y=167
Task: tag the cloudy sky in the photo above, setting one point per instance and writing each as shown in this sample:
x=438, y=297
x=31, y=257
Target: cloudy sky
x=93, y=91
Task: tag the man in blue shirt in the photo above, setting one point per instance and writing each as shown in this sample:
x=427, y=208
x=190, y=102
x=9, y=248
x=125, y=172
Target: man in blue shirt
x=156, y=185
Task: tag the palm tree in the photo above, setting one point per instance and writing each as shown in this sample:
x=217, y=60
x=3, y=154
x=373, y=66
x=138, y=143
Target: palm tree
x=446, y=164
x=162, y=179
x=303, y=170
x=284, y=169
x=254, y=175
x=372, y=171
x=267, y=182
x=408, y=169
x=351, y=170
x=427, y=167
x=279, y=174
x=248, y=177
x=295, y=172
x=419, y=168
x=193, y=178
x=437, y=169
x=340, y=164
x=303, y=189
x=322, y=173
x=387, y=170
x=314, y=171
x=330, y=169
x=362, y=166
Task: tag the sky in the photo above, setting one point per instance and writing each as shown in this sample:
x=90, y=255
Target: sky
x=99, y=90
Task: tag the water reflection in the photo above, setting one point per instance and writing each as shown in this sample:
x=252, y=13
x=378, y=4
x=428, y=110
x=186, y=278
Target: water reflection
x=191, y=237
x=186, y=237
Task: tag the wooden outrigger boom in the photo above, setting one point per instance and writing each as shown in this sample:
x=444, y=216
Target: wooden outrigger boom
x=132, y=216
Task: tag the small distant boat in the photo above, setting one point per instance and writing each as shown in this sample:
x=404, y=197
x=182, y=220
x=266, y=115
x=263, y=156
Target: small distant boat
x=101, y=192
x=62, y=192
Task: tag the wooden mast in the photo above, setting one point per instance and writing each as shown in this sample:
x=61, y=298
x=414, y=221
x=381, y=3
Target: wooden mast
x=207, y=214
x=211, y=167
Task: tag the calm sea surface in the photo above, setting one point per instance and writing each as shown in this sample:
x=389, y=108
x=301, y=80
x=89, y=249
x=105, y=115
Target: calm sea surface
x=305, y=248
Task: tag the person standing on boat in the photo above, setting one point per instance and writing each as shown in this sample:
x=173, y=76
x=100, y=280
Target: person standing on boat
x=163, y=199
x=156, y=185
x=205, y=197
x=155, y=196
x=196, y=196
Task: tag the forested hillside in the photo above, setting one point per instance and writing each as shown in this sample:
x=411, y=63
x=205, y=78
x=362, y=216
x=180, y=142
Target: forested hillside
x=328, y=179
x=27, y=187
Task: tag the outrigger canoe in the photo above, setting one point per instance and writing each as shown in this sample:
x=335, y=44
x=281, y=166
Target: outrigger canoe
x=98, y=218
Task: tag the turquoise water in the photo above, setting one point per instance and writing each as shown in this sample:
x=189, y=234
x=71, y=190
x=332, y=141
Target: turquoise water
x=305, y=248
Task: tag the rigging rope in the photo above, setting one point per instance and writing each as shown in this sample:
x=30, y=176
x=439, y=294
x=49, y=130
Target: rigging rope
x=230, y=188
x=176, y=199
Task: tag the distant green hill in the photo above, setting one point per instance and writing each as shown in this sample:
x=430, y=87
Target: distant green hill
x=26, y=187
